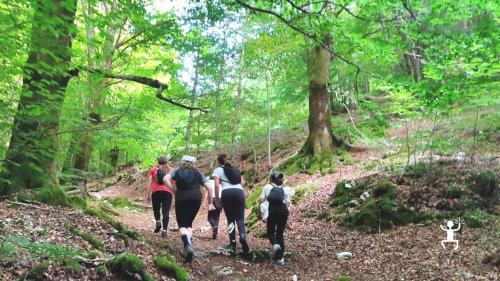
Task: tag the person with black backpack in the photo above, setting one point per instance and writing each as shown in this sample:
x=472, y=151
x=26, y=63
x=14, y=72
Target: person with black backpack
x=159, y=194
x=280, y=199
x=232, y=199
x=186, y=182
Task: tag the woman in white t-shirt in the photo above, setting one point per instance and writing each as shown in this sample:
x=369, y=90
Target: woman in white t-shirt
x=280, y=199
x=232, y=198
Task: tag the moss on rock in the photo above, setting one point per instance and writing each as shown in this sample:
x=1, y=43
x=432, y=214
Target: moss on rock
x=167, y=264
x=127, y=265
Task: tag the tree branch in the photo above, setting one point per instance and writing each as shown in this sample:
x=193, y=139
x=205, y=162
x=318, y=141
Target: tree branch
x=141, y=80
x=310, y=36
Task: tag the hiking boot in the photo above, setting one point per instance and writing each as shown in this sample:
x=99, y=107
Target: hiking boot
x=158, y=227
x=276, y=248
x=244, y=245
x=280, y=262
x=164, y=233
x=188, y=252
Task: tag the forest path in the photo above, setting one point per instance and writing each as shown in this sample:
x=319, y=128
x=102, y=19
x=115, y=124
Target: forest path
x=405, y=253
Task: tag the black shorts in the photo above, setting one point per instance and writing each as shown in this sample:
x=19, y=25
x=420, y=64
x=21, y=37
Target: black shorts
x=186, y=210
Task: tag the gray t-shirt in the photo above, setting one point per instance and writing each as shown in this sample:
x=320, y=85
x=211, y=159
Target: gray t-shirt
x=224, y=181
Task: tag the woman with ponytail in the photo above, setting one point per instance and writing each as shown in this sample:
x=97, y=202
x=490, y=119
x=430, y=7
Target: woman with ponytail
x=232, y=198
x=159, y=194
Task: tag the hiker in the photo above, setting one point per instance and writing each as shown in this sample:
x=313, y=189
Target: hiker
x=232, y=198
x=159, y=194
x=213, y=211
x=280, y=199
x=186, y=182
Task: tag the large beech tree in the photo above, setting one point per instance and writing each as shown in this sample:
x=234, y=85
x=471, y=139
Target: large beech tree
x=30, y=157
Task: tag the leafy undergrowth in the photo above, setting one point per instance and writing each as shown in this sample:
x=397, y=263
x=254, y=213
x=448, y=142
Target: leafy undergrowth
x=37, y=244
x=424, y=194
x=370, y=206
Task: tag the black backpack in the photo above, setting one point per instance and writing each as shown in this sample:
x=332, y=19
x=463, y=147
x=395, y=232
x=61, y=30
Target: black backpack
x=276, y=196
x=160, y=174
x=233, y=174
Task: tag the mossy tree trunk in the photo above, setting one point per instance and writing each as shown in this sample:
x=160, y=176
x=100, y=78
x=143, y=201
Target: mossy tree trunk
x=31, y=153
x=321, y=139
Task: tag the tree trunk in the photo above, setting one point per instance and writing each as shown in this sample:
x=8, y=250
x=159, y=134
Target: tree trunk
x=193, y=102
x=321, y=139
x=268, y=101
x=97, y=87
x=237, y=108
x=30, y=157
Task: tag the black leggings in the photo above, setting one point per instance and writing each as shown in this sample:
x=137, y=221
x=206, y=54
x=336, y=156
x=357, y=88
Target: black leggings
x=162, y=199
x=276, y=223
x=186, y=210
x=214, y=216
x=233, y=203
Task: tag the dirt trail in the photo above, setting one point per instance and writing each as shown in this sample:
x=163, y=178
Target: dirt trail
x=406, y=253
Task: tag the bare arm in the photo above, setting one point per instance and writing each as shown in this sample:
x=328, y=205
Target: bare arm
x=209, y=192
x=217, y=188
x=149, y=188
x=169, y=182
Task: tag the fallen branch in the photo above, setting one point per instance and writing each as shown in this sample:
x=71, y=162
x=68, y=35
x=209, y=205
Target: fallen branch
x=31, y=205
x=154, y=83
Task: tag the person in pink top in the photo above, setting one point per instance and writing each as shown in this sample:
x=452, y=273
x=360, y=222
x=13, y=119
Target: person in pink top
x=159, y=194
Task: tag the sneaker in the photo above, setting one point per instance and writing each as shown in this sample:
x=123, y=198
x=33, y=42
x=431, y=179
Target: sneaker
x=275, y=249
x=244, y=245
x=158, y=227
x=188, y=253
x=280, y=262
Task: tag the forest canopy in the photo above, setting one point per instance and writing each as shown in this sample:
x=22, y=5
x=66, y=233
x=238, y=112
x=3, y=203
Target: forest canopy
x=89, y=85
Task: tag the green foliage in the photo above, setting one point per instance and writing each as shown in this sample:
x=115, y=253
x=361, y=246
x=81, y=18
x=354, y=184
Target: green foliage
x=168, y=264
x=119, y=202
x=24, y=197
x=125, y=265
x=301, y=192
x=251, y=200
x=85, y=236
x=378, y=211
x=476, y=218
x=484, y=184
x=52, y=194
x=101, y=270
x=77, y=202
x=343, y=278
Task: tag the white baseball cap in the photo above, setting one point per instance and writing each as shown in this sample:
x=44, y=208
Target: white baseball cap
x=188, y=159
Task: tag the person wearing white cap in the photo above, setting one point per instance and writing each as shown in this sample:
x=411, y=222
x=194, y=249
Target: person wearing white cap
x=186, y=182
